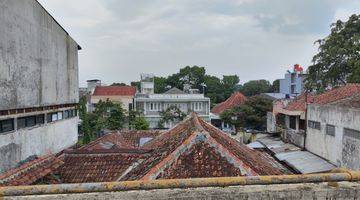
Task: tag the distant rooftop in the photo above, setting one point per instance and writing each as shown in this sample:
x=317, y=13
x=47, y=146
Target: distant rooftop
x=114, y=91
x=235, y=99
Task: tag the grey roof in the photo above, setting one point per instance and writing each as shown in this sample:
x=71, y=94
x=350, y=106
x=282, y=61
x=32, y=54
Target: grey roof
x=256, y=145
x=301, y=161
x=174, y=90
x=305, y=162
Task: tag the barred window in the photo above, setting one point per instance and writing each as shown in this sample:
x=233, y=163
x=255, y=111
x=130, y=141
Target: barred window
x=314, y=125
x=330, y=129
x=6, y=125
x=352, y=133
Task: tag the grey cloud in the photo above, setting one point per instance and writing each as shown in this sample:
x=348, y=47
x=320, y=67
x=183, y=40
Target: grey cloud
x=252, y=38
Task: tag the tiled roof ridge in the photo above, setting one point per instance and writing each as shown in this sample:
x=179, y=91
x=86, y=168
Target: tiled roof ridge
x=15, y=173
x=100, y=152
x=114, y=91
x=231, y=101
x=249, y=156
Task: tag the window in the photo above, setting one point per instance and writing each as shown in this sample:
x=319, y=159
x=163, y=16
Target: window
x=51, y=117
x=30, y=121
x=352, y=133
x=330, y=130
x=67, y=114
x=314, y=125
x=197, y=106
x=40, y=119
x=60, y=115
x=6, y=125
x=293, y=122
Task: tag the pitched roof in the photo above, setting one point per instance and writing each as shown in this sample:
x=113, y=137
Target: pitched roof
x=333, y=95
x=225, y=156
x=97, y=166
x=235, y=99
x=114, y=91
x=352, y=102
x=299, y=103
x=122, y=139
x=30, y=172
x=174, y=90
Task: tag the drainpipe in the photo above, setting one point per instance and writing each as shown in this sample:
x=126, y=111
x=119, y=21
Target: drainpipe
x=306, y=122
x=336, y=176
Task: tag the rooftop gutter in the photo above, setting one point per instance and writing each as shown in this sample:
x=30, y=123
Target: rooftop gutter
x=337, y=176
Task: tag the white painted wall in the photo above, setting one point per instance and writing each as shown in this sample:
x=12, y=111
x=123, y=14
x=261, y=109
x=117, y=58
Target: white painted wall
x=40, y=140
x=332, y=147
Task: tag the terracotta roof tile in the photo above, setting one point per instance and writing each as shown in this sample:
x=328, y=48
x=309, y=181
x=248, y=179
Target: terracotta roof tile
x=174, y=146
x=114, y=91
x=235, y=99
x=82, y=167
x=333, y=95
x=30, y=172
x=123, y=139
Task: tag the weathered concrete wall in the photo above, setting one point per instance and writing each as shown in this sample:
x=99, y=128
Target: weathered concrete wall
x=38, y=59
x=339, y=149
x=270, y=122
x=41, y=140
x=308, y=191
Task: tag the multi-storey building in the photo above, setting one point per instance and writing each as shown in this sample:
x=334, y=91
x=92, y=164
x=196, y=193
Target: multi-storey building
x=151, y=104
x=38, y=83
x=293, y=83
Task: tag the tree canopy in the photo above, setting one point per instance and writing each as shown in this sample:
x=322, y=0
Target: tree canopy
x=171, y=114
x=338, y=59
x=256, y=87
x=252, y=114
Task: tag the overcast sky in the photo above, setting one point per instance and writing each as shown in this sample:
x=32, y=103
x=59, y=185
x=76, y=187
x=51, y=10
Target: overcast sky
x=255, y=39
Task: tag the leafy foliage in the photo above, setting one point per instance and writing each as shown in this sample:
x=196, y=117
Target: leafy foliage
x=140, y=123
x=137, y=121
x=118, y=84
x=256, y=87
x=251, y=114
x=107, y=115
x=171, y=114
x=338, y=59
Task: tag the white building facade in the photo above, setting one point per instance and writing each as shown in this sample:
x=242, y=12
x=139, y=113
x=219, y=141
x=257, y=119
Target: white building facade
x=150, y=104
x=334, y=133
x=38, y=83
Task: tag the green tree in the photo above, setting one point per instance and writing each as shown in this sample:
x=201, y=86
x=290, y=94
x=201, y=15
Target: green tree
x=160, y=85
x=276, y=86
x=140, y=123
x=251, y=114
x=171, y=114
x=117, y=117
x=85, y=128
x=338, y=59
x=256, y=87
x=118, y=84
x=236, y=116
x=214, y=89
x=229, y=84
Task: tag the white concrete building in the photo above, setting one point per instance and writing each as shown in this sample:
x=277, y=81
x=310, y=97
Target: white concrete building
x=293, y=83
x=334, y=132
x=38, y=83
x=151, y=104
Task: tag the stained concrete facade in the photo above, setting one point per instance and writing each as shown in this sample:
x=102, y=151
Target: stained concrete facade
x=344, y=190
x=342, y=147
x=38, y=68
x=38, y=59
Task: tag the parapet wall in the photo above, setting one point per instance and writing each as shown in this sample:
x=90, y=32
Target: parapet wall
x=344, y=190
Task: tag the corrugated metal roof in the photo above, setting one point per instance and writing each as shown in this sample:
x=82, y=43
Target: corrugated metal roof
x=305, y=162
x=301, y=161
x=256, y=145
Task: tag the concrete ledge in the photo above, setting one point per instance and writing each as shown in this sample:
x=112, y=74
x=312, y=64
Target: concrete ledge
x=342, y=190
